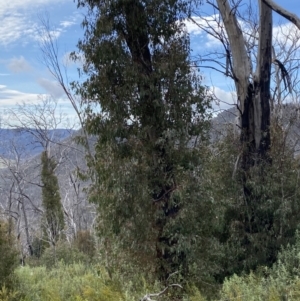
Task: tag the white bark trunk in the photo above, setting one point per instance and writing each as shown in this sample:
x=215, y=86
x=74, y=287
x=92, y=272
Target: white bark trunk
x=240, y=59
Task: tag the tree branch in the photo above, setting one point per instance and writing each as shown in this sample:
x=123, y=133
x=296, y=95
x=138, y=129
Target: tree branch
x=149, y=296
x=283, y=12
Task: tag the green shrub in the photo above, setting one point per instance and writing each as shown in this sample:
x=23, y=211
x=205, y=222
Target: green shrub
x=67, y=283
x=62, y=252
x=85, y=243
x=9, y=295
x=281, y=282
x=79, y=282
x=289, y=260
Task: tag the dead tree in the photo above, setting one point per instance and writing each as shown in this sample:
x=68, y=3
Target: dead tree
x=253, y=87
x=249, y=58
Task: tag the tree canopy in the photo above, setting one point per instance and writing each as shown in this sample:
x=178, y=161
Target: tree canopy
x=146, y=105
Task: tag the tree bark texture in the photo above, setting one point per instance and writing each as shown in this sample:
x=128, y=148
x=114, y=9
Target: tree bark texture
x=253, y=90
x=255, y=118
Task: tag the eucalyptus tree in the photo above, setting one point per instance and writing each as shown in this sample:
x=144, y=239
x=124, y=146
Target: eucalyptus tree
x=146, y=106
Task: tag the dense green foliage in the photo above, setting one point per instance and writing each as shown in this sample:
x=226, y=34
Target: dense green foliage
x=67, y=282
x=63, y=252
x=85, y=243
x=175, y=206
x=281, y=282
x=145, y=104
x=8, y=253
x=54, y=216
x=251, y=234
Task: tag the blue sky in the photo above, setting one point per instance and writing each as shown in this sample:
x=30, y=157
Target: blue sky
x=23, y=76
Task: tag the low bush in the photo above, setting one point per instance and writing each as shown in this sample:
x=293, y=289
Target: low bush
x=62, y=252
x=281, y=282
x=80, y=282
x=66, y=283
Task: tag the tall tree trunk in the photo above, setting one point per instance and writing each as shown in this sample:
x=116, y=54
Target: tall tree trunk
x=28, y=240
x=255, y=116
x=137, y=40
x=253, y=91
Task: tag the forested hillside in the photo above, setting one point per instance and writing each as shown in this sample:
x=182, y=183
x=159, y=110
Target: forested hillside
x=156, y=196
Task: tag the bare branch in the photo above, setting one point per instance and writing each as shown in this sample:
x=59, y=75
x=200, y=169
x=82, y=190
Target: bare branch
x=49, y=49
x=149, y=296
x=283, y=12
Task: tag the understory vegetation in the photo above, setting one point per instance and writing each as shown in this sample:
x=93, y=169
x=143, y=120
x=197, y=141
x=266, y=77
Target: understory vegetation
x=80, y=280
x=174, y=206
x=225, y=261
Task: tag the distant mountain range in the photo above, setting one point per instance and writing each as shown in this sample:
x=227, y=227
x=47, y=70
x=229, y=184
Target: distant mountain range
x=27, y=142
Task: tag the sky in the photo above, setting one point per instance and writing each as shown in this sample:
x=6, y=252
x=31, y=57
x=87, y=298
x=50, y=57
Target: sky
x=25, y=79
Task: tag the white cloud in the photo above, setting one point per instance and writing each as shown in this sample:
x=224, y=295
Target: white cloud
x=286, y=34
x=19, y=65
x=212, y=42
x=13, y=5
x=52, y=87
x=17, y=20
x=223, y=100
x=13, y=27
x=42, y=36
x=9, y=97
x=66, y=24
x=68, y=61
x=200, y=26
x=192, y=27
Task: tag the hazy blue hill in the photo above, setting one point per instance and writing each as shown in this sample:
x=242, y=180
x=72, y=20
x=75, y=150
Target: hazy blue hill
x=25, y=142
